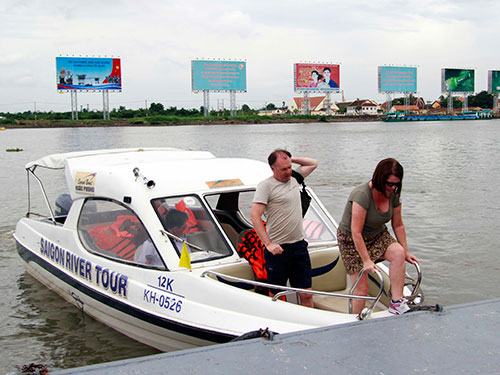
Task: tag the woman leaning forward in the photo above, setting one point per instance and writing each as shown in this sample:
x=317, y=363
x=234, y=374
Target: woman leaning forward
x=363, y=236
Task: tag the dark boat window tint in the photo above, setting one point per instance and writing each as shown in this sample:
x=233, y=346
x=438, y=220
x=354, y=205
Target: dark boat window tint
x=187, y=220
x=108, y=228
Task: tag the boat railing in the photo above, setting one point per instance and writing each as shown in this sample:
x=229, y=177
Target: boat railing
x=416, y=296
x=31, y=171
x=285, y=290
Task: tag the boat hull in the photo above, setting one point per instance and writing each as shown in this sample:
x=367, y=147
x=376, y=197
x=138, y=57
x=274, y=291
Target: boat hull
x=212, y=311
x=158, y=332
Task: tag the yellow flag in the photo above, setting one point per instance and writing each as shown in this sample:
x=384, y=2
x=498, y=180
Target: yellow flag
x=185, y=260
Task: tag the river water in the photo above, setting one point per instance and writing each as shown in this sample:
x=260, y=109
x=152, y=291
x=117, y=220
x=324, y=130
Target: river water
x=451, y=209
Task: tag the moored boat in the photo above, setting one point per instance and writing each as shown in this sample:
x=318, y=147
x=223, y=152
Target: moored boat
x=468, y=115
x=107, y=248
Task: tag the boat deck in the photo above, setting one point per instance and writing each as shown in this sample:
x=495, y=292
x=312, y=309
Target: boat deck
x=462, y=339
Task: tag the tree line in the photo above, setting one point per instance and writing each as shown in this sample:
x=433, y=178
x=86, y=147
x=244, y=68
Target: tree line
x=155, y=109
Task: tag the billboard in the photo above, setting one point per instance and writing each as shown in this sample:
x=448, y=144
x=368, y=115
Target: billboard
x=316, y=77
x=494, y=81
x=218, y=75
x=457, y=80
x=397, y=79
x=88, y=73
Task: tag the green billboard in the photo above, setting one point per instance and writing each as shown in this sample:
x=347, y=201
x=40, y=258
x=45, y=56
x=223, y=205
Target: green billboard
x=457, y=80
x=494, y=81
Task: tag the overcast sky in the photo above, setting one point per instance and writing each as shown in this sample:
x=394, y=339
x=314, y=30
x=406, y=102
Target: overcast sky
x=157, y=39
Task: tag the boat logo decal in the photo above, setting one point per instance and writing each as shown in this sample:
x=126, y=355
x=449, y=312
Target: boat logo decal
x=102, y=277
x=85, y=182
x=224, y=183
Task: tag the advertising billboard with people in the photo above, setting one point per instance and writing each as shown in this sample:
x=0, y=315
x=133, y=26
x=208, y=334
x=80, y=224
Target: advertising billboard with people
x=397, y=79
x=219, y=75
x=494, y=81
x=457, y=80
x=316, y=77
x=88, y=74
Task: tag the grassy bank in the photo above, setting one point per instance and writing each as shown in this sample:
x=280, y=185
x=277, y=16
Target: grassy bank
x=180, y=120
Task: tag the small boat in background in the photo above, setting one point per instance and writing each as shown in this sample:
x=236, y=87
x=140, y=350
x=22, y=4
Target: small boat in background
x=468, y=115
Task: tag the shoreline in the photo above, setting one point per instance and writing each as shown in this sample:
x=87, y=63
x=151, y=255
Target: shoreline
x=31, y=124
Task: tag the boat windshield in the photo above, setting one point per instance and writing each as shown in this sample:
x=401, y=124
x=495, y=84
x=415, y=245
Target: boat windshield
x=232, y=210
x=187, y=221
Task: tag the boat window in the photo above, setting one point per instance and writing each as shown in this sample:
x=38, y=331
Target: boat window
x=187, y=220
x=108, y=228
x=317, y=225
x=233, y=210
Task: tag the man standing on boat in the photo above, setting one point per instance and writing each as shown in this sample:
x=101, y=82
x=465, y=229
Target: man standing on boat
x=278, y=199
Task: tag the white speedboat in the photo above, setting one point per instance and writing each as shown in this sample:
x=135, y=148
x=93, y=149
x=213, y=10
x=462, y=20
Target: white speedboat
x=106, y=247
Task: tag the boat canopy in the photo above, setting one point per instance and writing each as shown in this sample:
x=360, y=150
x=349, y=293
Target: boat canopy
x=165, y=171
x=58, y=161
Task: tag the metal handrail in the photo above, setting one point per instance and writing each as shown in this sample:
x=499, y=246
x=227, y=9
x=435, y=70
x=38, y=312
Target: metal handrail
x=416, y=284
x=367, y=310
x=32, y=172
x=289, y=290
x=191, y=246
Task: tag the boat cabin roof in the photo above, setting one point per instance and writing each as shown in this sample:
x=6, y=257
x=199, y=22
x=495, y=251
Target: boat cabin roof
x=151, y=172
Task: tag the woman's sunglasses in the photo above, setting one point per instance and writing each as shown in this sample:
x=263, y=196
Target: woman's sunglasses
x=392, y=183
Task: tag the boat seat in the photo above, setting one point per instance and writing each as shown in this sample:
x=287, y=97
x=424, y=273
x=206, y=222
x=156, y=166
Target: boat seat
x=231, y=233
x=241, y=270
x=329, y=275
x=231, y=224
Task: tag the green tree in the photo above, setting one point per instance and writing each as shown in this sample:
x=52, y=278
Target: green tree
x=483, y=100
x=156, y=108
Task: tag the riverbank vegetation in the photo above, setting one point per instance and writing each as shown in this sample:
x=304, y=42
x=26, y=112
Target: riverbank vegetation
x=156, y=114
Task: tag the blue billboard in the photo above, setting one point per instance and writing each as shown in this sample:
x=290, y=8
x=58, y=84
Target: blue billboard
x=397, y=79
x=88, y=73
x=218, y=75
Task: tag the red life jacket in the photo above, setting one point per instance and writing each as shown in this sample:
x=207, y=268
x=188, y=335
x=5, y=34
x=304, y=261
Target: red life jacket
x=110, y=238
x=312, y=229
x=252, y=249
x=191, y=223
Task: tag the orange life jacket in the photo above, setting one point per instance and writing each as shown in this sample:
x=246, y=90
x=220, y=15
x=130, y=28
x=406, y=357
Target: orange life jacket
x=110, y=238
x=252, y=249
x=312, y=229
x=191, y=223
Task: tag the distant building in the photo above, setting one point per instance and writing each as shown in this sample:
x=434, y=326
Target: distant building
x=436, y=104
x=316, y=104
x=272, y=112
x=401, y=108
x=362, y=107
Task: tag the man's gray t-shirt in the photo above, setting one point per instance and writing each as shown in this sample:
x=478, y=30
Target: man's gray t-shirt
x=283, y=210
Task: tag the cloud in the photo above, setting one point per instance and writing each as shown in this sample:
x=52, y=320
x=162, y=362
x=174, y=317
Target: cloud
x=156, y=41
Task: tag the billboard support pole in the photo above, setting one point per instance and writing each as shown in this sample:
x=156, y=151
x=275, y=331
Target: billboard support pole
x=105, y=105
x=495, y=103
x=465, y=105
x=407, y=101
x=450, y=103
x=74, y=105
x=232, y=102
x=206, y=102
x=306, y=108
x=388, y=101
x=328, y=104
